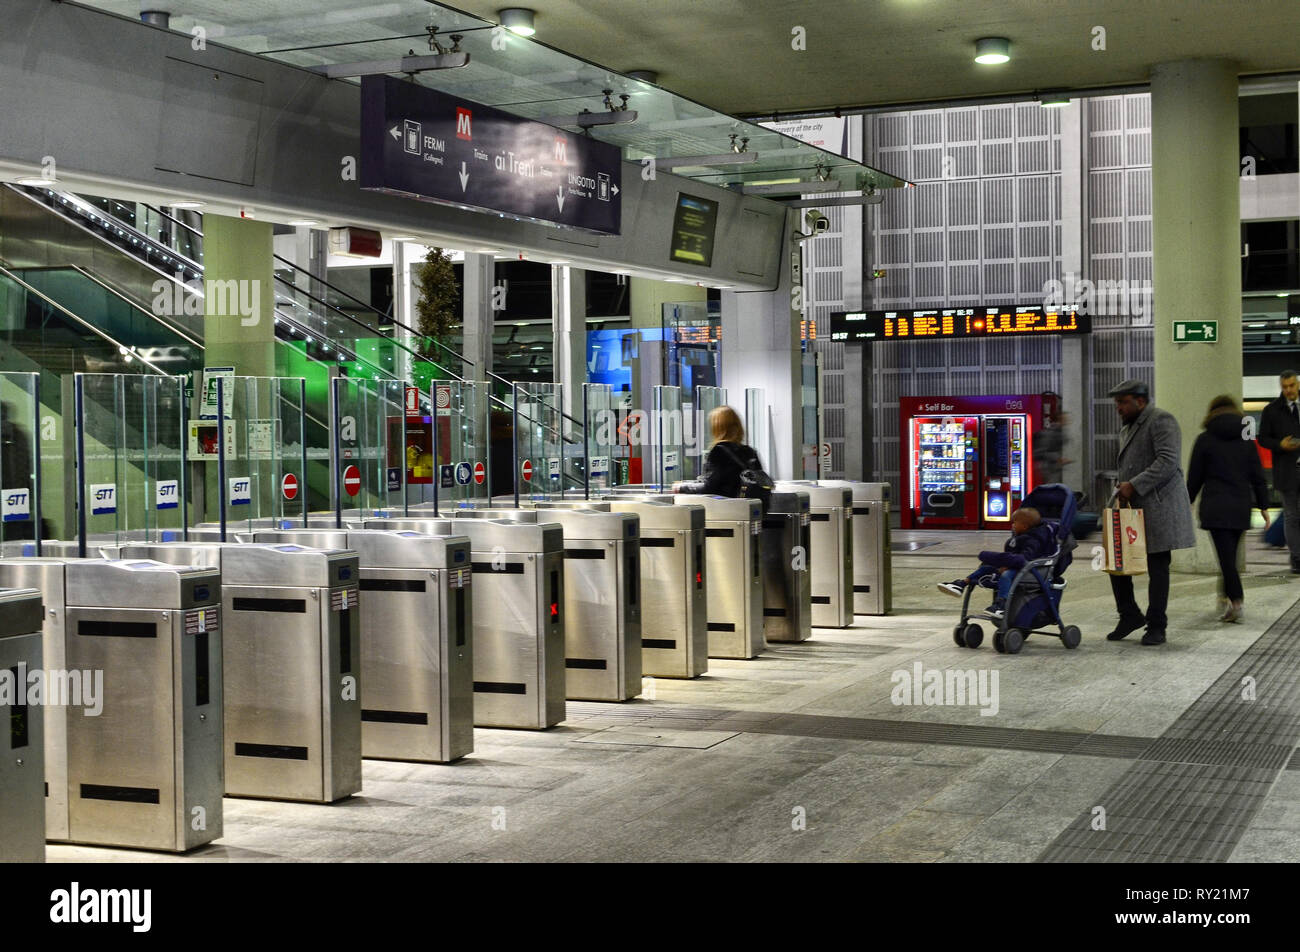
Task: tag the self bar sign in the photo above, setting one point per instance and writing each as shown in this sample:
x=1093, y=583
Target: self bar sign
x=17, y=504
x=166, y=496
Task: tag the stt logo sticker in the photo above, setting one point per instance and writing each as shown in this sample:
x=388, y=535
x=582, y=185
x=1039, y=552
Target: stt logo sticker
x=561, y=150
x=463, y=120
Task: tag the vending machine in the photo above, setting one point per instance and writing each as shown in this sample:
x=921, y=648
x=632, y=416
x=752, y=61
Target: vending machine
x=966, y=462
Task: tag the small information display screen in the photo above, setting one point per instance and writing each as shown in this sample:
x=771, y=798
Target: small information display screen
x=693, y=226
x=948, y=323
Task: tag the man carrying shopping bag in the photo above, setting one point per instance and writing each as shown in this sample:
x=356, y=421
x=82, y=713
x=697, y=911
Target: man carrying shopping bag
x=1151, y=479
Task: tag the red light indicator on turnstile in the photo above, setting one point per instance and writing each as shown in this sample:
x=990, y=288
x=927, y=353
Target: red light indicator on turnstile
x=555, y=609
x=699, y=577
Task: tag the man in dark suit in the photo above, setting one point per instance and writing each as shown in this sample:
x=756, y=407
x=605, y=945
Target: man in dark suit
x=1279, y=432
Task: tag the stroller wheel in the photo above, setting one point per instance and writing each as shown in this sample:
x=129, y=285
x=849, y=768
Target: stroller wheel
x=959, y=636
x=1071, y=636
x=1013, y=641
x=974, y=636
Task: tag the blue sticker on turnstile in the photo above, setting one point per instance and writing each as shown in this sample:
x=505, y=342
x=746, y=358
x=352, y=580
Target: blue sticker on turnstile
x=29, y=548
x=103, y=498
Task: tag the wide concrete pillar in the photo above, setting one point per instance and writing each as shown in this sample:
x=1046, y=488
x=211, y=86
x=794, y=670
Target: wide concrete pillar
x=647, y=299
x=239, y=299
x=1196, y=226
x=477, y=314
x=569, y=330
x=761, y=348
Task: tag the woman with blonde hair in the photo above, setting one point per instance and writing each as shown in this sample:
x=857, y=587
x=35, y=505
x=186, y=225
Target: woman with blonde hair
x=729, y=456
x=1225, y=471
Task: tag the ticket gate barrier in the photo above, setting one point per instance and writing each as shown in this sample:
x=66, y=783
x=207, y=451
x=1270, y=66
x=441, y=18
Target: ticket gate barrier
x=674, y=635
x=602, y=578
x=292, y=666
x=145, y=772
x=873, y=583
x=22, y=752
x=519, y=622
x=733, y=563
x=830, y=513
x=417, y=661
x=787, y=550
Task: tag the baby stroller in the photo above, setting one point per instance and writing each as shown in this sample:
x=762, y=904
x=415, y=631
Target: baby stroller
x=1032, y=604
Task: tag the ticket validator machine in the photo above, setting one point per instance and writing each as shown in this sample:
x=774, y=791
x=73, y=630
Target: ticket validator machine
x=733, y=560
x=830, y=514
x=22, y=744
x=872, y=556
x=787, y=554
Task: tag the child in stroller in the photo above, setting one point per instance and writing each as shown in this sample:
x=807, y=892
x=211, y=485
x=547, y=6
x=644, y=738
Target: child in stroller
x=1029, y=575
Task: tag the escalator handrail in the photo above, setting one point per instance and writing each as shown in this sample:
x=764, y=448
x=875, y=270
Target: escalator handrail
x=90, y=275
x=387, y=315
x=60, y=309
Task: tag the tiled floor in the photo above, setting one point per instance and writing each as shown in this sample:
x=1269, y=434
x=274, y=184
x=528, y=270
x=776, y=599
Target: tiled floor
x=611, y=786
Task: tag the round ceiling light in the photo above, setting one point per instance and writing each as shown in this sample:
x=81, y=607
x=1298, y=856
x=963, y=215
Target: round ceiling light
x=992, y=50
x=518, y=20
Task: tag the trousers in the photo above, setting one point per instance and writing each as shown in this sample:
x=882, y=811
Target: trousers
x=1004, y=580
x=1225, y=547
x=1291, y=519
x=1157, y=592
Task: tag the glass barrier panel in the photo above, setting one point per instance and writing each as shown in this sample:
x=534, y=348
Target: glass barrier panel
x=539, y=444
x=756, y=425
x=249, y=434
x=20, y=463
x=602, y=433
x=666, y=435
x=369, y=429
x=700, y=438
x=462, y=436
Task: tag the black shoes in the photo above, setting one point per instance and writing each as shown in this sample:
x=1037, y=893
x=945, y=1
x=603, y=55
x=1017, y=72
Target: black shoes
x=1128, y=625
x=1153, y=637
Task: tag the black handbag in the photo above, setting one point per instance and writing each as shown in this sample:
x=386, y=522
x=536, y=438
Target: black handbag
x=754, y=482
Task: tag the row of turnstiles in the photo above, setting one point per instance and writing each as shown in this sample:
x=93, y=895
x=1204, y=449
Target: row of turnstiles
x=178, y=672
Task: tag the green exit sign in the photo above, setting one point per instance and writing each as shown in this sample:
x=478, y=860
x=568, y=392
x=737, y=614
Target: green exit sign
x=1196, y=332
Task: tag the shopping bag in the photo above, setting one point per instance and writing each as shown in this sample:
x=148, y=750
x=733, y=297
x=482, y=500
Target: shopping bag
x=1124, y=538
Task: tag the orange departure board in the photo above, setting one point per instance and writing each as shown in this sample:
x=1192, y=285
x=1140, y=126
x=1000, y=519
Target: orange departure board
x=949, y=323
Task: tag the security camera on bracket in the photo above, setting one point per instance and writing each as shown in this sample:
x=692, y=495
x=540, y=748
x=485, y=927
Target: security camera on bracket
x=815, y=222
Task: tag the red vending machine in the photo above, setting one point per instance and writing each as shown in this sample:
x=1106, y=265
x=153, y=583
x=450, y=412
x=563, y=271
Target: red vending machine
x=966, y=462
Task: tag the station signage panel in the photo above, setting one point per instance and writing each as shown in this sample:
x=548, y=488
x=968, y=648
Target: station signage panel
x=959, y=322
x=424, y=144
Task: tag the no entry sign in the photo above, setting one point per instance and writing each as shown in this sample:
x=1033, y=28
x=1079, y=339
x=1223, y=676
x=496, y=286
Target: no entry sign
x=352, y=480
x=289, y=486
x=480, y=472
x=527, y=470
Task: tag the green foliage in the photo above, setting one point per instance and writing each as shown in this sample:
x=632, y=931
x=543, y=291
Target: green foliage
x=435, y=309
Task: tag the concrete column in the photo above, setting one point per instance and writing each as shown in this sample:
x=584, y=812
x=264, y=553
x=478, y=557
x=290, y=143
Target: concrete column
x=761, y=348
x=239, y=318
x=569, y=331
x=1076, y=356
x=1196, y=227
x=404, y=304
x=477, y=314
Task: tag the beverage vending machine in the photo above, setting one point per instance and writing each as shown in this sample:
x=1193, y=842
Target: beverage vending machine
x=966, y=462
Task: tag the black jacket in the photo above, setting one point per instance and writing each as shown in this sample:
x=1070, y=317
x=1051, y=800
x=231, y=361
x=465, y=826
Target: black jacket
x=1225, y=471
x=1023, y=547
x=1274, y=423
x=722, y=469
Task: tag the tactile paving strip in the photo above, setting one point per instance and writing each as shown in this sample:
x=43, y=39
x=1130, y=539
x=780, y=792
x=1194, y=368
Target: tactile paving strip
x=1193, y=793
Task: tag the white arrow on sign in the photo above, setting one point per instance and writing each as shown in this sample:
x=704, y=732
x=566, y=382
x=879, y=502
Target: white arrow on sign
x=615, y=189
x=559, y=196
x=464, y=177
x=395, y=132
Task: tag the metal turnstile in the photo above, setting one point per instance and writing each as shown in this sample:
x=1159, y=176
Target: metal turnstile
x=22, y=746
x=873, y=583
x=787, y=550
x=602, y=578
x=734, y=566
x=417, y=661
x=145, y=772
x=519, y=623
x=292, y=659
x=830, y=512
x=674, y=633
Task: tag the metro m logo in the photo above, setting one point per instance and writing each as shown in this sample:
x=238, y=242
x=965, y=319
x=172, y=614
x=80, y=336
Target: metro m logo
x=464, y=118
x=561, y=150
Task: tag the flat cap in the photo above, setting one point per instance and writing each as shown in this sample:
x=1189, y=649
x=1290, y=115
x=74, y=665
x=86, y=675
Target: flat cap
x=1136, y=387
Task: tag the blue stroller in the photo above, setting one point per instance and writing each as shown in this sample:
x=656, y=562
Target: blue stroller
x=1035, y=596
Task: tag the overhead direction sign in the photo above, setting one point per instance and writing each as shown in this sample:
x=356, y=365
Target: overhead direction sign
x=429, y=145
x=1196, y=332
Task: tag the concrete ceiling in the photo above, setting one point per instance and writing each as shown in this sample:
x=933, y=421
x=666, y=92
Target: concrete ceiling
x=736, y=55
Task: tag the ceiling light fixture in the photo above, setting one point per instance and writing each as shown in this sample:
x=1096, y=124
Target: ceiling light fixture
x=1053, y=100
x=37, y=181
x=644, y=75
x=187, y=204
x=518, y=20
x=304, y=223
x=992, y=50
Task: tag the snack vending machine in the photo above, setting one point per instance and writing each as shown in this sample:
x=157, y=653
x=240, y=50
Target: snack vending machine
x=967, y=462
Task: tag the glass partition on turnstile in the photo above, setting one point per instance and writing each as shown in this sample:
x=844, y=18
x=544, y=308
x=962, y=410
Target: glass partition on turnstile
x=539, y=448
x=756, y=425
x=251, y=436
x=20, y=464
x=132, y=482
x=602, y=433
x=369, y=423
x=462, y=437
x=707, y=399
x=666, y=436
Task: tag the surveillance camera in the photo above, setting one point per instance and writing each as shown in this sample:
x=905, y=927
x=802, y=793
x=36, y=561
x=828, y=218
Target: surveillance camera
x=816, y=222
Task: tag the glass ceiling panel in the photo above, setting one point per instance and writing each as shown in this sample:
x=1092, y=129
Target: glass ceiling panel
x=528, y=78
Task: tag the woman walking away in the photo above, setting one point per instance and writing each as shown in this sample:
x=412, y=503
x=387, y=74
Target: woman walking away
x=728, y=458
x=1225, y=471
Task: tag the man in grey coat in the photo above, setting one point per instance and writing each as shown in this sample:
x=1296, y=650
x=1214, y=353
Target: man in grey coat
x=1150, y=478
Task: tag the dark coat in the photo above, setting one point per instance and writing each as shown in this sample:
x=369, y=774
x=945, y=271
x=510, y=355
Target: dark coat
x=722, y=469
x=1031, y=544
x=1276, y=422
x=1225, y=471
x=1150, y=449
